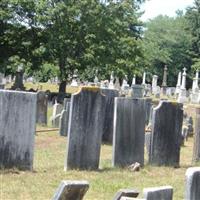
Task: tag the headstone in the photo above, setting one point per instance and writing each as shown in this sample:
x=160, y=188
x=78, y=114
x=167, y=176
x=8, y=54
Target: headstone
x=148, y=142
x=18, y=84
x=109, y=110
x=17, y=129
x=182, y=97
x=178, y=85
x=158, y=193
x=137, y=91
x=196, y=146
x=148, y=109
x=144, y=78
x=133, y=81
x=126, y=193
x=166, y=134
x=164, y=82
x=125, y=85
x=86, y=121
x=71, y=190
x=129, y=128
x=42, y=106
x=55, y=118
x=111, y=83
x=154, y=84
x=192, y=190
x=64, y=119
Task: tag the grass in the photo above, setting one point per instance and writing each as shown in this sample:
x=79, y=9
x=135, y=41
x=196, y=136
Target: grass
x=48, y=172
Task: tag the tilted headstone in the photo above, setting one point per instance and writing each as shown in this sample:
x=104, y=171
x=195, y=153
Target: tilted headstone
x=166, y=134
x=192, y=190
x=109, y=114
x=158, y=193
x=86, y=121
x=196, y=146
x=42, y=106
x=129, y=128
x=126, y=193
x=17, y=129
x=64, y=119
x=71, y=190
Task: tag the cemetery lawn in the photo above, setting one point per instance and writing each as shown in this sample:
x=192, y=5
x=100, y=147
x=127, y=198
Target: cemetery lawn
x=48, y=172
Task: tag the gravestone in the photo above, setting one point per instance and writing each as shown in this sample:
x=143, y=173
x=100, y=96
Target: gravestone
x=148, y=109
x=17, y=129
x=126, y=193
x=42, y=105
x=86, y=121
x=166, y=134
x=158, y=193
x=71, y=190
x=109, y=114
x=55, y=118
x=137, y=91
x=129, y=128
x=64, y=119
x=192, y=190
x=196, y=146
x=18, y=84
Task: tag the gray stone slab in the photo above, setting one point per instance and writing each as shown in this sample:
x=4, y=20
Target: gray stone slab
x=148, y=142
x=86, y=120
x=55, y=118
x=192, y=190
x=137, y=91
x=148, y=109
x=42, y=105
x=196, y=146
x=166, y=134
x=64, y=120
x=71, y=190
x=158, y=193
x=129, y=129
x=126, y=193
x=109, y=107
x=17, y=129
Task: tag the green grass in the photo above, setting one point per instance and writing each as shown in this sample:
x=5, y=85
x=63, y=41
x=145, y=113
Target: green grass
x=48, y=172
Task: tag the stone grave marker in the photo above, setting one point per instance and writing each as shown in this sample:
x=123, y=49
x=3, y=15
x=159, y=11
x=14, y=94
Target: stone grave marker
x=17, y=129
x=158, y=193
x=86, y=121
x=109, y=114
x=71, y=190
x=166, y=134
x=126, y=193
x=42, y=105
x=129, y=129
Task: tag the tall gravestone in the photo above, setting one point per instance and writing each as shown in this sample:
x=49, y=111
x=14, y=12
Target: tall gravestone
x=17, y=129
x=42, y=105
x=166, y=134
x=86, y=121
x=196, y=146
x=192, y=190
x=109, y=110
x=64, y=119
x=129, y=128
x=18, y=84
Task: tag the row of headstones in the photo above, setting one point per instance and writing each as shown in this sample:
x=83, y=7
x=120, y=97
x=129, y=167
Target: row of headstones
x=86, y=123
x=76, y=190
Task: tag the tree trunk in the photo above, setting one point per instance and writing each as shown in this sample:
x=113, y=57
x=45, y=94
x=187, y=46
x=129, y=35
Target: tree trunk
x=62, y=86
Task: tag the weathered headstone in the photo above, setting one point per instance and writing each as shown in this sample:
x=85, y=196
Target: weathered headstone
x=109, y=114
x=64, y=119
x=192, y=190
x=129, y=128
x=154, y=84
x=158, y=193
x=182, y=97
x=196, y=146
x=148, y=109
x=85, y=131
x=166, y=134
x=164, y=82
x=71, y=190
x=55, y=118
x=137, y=91
x=42, y=105
x=18, y=84
x=17, y=129
x=126, y=193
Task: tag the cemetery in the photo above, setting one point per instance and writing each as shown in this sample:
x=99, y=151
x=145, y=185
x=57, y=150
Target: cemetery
x=96, y=105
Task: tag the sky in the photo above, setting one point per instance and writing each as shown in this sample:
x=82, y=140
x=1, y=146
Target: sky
x=154, y=8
